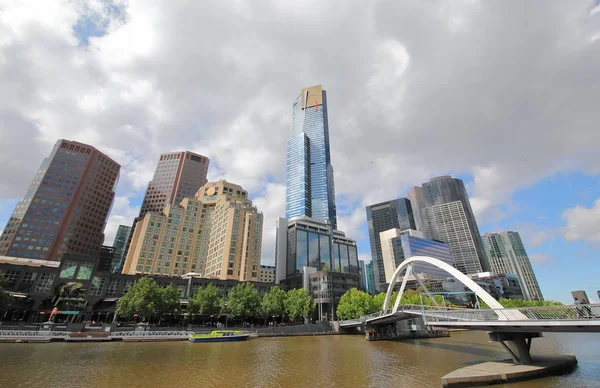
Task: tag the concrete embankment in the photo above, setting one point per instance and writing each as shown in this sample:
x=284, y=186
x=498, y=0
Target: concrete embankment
x=501, y=372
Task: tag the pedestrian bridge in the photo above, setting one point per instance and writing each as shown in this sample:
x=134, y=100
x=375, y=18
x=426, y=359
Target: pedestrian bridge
x=515, y=325
x=574, y=318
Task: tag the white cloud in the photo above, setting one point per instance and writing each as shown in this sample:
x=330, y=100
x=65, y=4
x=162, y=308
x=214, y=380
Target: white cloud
x=583, y=224
x=272, y=204
x=122, y=214
x=414, y=90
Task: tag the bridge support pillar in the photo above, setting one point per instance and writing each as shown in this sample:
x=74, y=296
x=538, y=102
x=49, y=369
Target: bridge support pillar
x=521, y=343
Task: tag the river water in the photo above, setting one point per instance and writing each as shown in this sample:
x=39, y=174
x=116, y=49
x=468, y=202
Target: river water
x=322, y=361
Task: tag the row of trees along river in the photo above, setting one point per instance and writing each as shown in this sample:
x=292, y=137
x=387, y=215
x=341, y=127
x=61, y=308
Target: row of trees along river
x=147, y=301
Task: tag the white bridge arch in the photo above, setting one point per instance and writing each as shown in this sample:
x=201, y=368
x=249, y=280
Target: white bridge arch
x=406, y=264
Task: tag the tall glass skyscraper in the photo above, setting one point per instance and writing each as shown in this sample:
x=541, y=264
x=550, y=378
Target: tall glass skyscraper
x=442, y=211
x=66, y=207
x=310, y=190
x=395, y=214
x=506, y=254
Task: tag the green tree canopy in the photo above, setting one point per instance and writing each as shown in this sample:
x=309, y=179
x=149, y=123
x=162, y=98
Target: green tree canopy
x=206, y=301
x=380, y=298
x=298, y=304
x=147, y=299
x=273, y=302
x=518, y=303
x=243, y=300
x=355, y=303
x=169, y=300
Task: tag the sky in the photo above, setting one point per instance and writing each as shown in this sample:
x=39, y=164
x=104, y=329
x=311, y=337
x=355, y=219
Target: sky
x=504, y=95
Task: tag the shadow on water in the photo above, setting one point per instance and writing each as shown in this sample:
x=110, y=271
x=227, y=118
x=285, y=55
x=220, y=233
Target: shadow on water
x=464, y=347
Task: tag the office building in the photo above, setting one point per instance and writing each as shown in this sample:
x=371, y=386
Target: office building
x=178, y=175
x=217, y=233
x=66, y=206
x=398, y=245
x=266, y=274
x=362, y=281
x=370, y=279
x=443, y=212
x=310, y=189
x=119, y=246
x=506, y=254
x=395, y=214
x=310, y=254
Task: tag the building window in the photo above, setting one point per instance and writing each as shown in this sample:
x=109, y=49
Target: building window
x=45, y=282
x=85, y=271
x=68, y=269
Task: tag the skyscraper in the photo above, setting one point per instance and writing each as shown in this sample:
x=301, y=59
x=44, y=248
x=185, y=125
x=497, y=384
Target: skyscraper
x=66, y=206
x=443, y=212
x=506, y=254
x=178, y=175
x=119, y=245
x=217, y=233
x=310, y=189
x=370, y=278
x=395, y=214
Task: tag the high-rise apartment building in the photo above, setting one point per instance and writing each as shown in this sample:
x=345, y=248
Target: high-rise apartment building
x=217, y=233
x=362, y=284
x=399, y=245
x=395, y=214
x=266, y=274
x=506, y=254
x=442, y=211
x=370, y=278
x=120, y=245
x=66, y=206
x=310, y=189
x=178, y=175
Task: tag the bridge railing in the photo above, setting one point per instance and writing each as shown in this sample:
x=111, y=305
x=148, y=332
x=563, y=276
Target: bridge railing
x=33, y=333
x=568, y=312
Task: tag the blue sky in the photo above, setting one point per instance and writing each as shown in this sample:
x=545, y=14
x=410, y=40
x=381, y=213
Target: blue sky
x=503, y=95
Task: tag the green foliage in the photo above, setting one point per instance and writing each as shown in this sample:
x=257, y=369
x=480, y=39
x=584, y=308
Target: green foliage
x=243, y=300
x=355, y=303
x=6, y=300
x=273, y=302
x=168, y=302
x=206, y=301
x=148, y=300
x=518, y=303
x=298, y=304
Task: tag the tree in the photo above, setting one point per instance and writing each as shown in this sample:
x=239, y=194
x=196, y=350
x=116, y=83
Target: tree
x=243, y=300
x=380, y=298
x=206, y=301
x=298, y=304
x=168, y=302
x=6, y=300
x=354, y=304
x=273, y=302
x=147, y=299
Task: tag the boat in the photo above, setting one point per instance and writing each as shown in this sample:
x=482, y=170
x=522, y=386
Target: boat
x=220, y=336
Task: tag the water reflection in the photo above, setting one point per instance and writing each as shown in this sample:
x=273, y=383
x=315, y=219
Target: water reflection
x=328, y=361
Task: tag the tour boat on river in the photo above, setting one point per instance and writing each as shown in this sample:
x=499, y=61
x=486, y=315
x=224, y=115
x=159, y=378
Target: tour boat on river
x=220, y=336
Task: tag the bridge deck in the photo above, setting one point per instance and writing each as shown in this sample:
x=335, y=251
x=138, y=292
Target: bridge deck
x=574, y=318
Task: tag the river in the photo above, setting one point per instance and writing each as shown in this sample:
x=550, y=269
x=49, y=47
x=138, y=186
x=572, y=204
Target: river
x=322, y=361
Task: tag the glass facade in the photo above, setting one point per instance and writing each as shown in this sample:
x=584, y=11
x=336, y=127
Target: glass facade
x=313, y=249
x=120, y=247
x=506, y=254
x=416, y=246
x=396, y=214
x=444, y=190
x=310, y=189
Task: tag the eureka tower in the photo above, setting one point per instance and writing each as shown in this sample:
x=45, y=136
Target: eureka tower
x=309, y=176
